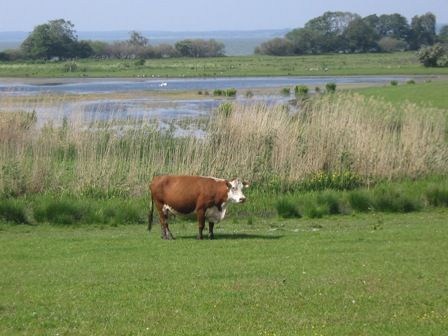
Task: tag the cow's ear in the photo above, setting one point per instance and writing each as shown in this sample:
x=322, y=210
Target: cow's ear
x=228, y=184
x=246, y=184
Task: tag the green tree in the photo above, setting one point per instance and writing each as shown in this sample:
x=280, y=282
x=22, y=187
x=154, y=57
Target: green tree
x=423, y=31
x=443, y=35
x=53, y=39
x=394, y=25
x=304, y=41
x=359, y=36
x=185, y=48
x=329, y=28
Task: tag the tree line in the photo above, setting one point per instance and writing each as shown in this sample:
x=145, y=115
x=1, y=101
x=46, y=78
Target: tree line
x=332, y=32
x=345, y=32
x=57, y=39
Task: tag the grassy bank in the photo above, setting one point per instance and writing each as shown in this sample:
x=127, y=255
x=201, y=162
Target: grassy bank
x=351, y=275
x=403, y=63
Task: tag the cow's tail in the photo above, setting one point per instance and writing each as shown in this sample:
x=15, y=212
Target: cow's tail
x=151, y=212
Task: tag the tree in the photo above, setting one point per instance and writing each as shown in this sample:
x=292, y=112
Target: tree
x=423, y=31
x=329, y=29
x=359, y=36
x=443, y=35
x=304, y=41
x=395, y=26
x=52, y=39
x=137, y=39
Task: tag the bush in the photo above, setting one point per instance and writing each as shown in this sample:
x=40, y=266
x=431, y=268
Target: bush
x=287, y=209
x=360, y=200
x=285, y=92
x=13, y=211
x=330, y=87
x=230, y=92
x=390, y=199
x=394, y=82
x=437, y=196
x=300, y=90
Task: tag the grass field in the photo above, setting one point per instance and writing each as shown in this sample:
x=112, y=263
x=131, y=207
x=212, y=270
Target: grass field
x=346, y=275
x=400, y=63
x=424, y=94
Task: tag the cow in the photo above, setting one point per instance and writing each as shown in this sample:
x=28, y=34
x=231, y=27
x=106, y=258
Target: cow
x=197, y=196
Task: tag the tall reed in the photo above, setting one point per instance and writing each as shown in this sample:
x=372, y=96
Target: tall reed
x=264, y=143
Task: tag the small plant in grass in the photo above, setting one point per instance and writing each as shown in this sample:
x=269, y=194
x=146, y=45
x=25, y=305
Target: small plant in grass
x=410, y=81
x=394, y=82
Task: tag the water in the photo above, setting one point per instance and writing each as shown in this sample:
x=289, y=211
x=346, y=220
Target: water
x=156, y=107
x=85, y=86
x=235, y=46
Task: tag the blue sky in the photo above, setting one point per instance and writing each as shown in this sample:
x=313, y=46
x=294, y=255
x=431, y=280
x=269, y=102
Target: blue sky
x=198, y=15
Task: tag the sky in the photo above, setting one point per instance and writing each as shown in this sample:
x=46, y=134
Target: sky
x=198, y=15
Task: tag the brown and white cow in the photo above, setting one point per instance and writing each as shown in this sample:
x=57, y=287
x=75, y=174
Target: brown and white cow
x=184, y=195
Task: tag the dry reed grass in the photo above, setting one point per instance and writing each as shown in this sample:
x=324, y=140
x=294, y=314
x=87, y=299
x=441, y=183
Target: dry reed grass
x=332, y=133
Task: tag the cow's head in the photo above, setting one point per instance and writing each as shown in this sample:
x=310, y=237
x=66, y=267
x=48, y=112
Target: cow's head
x=235, y=192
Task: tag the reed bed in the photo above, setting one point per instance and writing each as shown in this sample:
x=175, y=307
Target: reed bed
x=94, y=153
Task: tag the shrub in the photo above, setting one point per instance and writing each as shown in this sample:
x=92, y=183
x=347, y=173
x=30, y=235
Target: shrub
x=410, y=81
x=300, y=90
x=360, y=200
x=12, y=211
x=394, y=82
x=330, y=87
x=437, y=196
x=391, y=199
x=230, y=92
x=285, y=91
x=330, y=200
x=287, y=209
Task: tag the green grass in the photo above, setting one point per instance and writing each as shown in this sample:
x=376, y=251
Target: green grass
x=338, y=64
x=432, y=94
x=345, y=275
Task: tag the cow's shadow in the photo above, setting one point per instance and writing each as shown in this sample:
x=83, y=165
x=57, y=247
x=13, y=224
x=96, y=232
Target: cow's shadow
x=235, y=236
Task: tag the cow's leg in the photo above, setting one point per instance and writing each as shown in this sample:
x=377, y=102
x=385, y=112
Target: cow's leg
x=201, y=222
x=210, y=230
x=166, y=234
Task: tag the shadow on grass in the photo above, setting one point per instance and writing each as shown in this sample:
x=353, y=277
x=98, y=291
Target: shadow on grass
x=234, y=236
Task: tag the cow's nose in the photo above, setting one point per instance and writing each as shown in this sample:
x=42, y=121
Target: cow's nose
x=242, y=199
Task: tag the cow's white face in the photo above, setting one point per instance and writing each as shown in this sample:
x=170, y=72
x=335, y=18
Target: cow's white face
x=235, y=192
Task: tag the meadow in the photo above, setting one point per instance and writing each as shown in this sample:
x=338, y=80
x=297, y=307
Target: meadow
x=343, y=232
x=400, y=63
x=380, y=274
